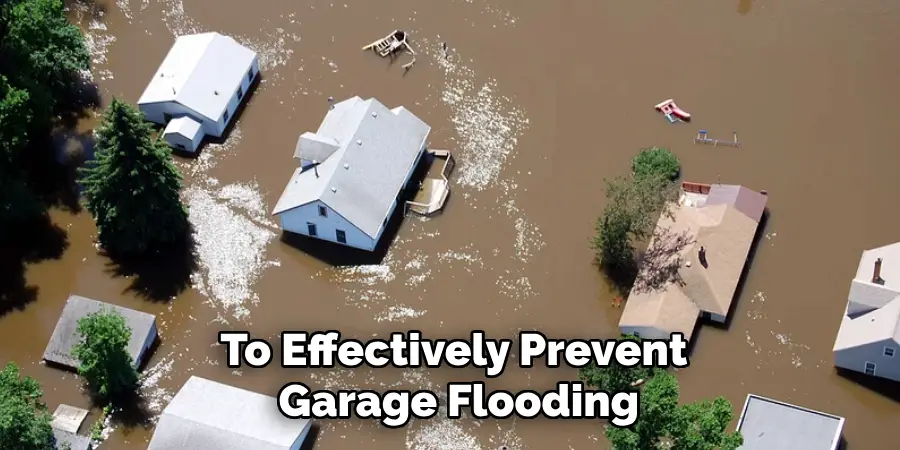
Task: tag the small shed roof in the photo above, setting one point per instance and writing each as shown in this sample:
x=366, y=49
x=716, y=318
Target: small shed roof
x=68, y=418
x=183, y=126
x=65, y=335
x=206, y=415
x=360, y=180
x=745, y=200
x=768, y=424
x=201, y=72
x=74, y=441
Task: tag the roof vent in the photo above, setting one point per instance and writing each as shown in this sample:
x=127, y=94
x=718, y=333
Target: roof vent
x=359, y=142
x=216, y=92
x=347, y=166
x=333, y=189
x=374, y=113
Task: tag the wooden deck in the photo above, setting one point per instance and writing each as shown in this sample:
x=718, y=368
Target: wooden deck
x=434, y=190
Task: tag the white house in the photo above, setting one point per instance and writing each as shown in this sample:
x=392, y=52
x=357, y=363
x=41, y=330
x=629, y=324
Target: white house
x=209, y=415
x=351, y=172
x=868, y=340
x=198, y=87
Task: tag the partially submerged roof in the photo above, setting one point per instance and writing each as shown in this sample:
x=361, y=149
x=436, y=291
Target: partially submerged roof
x=365, y=153
x=673, y=286
x=200, y=72
x=768, y=424
x=183, y=126
x=205, y=415
x=70, y=441
x=873, y=306
x=65, y=335
x=68, y=418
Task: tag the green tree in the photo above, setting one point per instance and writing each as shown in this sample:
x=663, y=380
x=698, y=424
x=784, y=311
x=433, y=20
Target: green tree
x=42, y=51
x=17, y=203
x=664, y=424
x=24, y=420
x=102, y=355
x=632, y=208
x=133, y=186
x=615, y=377
x=656, y=161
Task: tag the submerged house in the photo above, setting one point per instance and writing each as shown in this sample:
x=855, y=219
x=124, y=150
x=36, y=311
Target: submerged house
x=869, y=337
x=768, y=424
x=198, y=87
x=65, y=335
x=694, y=261
x=351, y=173
x=209, y=415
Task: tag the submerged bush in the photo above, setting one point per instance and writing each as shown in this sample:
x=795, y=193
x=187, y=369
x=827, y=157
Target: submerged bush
x=656, y=161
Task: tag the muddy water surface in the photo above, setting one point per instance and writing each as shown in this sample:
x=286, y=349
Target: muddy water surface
x=539, y=101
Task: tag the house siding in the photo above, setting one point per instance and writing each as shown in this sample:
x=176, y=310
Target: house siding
x=855, y=359
x=296, y=220
x=299, y=442
x=235, y=102
x=156, y=113
x=152, y=335
x=174, y=140
x=646, y=332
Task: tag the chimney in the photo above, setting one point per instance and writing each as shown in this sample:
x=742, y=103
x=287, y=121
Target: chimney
x=876, y=275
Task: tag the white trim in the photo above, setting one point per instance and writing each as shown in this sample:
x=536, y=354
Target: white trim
x=885, y=351
x=866, y=368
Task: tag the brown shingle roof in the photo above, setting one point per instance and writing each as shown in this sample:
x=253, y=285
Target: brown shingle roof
x=673, y=286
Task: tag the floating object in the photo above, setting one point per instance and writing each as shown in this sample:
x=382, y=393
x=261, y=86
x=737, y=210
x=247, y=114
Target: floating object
x=703, y=138
x=672, y=112
x=389, y=45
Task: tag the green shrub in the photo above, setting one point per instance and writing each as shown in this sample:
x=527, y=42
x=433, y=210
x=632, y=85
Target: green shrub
x=656, y=161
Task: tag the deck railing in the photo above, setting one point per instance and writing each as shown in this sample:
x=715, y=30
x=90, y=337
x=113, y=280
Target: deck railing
x=695, y=188
x=430, y=208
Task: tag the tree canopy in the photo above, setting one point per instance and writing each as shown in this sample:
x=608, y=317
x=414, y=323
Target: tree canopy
x=633, y=205
x=41, y=56
x=133, y=186
x=665, y=424
x=656, y=161
x=102, y=355
x=615, y=377
x=24, y=420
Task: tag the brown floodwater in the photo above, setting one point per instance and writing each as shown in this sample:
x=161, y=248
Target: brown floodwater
x=539, y=101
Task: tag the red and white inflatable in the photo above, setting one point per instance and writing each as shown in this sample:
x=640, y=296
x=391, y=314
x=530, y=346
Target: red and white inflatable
x=672, y=111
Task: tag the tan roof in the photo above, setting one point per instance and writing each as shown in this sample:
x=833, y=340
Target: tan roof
x=672, y=287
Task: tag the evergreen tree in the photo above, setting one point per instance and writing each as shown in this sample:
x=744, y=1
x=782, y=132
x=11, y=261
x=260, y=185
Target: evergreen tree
x=133, y=186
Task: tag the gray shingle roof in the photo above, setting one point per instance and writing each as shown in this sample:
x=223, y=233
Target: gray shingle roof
x=206, y=415
x=75, y=441
x=65, y=335
x=768, y=424
x=361, y=179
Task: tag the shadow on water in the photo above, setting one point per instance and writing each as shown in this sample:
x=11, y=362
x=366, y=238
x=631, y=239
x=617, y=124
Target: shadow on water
x=32, y=242
x=160, y=275
x=130, y=411
x=342, y=256
x=883, y=386
x=739, y=289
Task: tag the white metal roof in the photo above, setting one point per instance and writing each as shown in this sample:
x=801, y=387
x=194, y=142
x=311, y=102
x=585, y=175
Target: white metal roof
x=206, y=415
x=875, y=306
x=184, y=126
x=361, y=179
x=201, y=72
x=768, y=424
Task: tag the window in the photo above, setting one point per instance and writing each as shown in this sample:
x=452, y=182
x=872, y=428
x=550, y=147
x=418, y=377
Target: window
x=323, y=211
x=182, y=147
x=250, y=74
x=225, y=116
x=240, y=92
x=870, y=368
x=636, y=334
x=167, y=117
x=341, y=236
x=311, y=229
x=889, y=352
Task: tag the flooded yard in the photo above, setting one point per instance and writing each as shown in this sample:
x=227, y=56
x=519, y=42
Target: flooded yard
x=539, y=102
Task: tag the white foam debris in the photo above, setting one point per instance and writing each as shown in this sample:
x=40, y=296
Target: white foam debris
x=488, y=125
x=528, y=239
x=502, y=15
x=398, y=313
x=440, y=433
x=212, y=152
x=231, y=247
x=156, y=396
x=97, y=38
